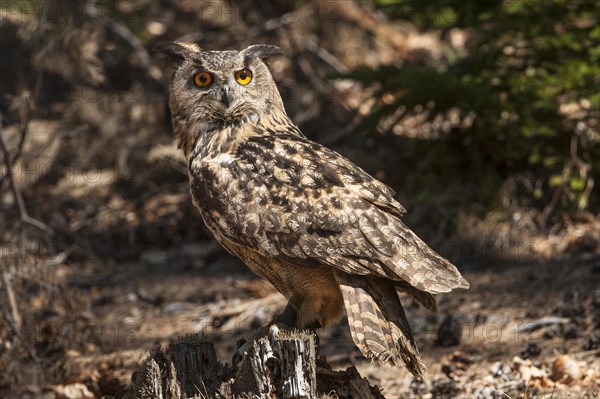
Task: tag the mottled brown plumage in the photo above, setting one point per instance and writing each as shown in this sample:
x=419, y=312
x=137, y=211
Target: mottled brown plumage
x=325, y=233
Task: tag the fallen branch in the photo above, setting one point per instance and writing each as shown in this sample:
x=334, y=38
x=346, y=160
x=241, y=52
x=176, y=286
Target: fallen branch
x=542, y=322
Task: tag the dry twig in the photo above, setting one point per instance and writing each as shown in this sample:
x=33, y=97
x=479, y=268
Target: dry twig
x=24, y=215
x=22, y=136
x=15, y=316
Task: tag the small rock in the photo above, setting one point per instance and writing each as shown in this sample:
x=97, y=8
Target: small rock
x=566, y=370
x=592, y=343
x=570, y=331
x=418, y=388
x=529, y=372
x=533, y=349
x=444, y=388
x=449, y=333
x=132, y=296
x=500, y=370
x=456, y=363
x=487, y=393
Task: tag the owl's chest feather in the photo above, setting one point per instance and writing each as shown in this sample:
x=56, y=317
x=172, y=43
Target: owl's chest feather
x=218, y=182
x=212, y=144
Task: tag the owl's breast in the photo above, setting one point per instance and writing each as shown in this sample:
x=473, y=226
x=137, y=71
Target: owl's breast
x=228, y=195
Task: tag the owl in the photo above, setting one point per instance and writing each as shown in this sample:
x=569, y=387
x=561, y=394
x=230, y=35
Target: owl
x=325, y=233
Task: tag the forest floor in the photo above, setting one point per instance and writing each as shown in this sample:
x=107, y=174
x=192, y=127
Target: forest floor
x=515, y=324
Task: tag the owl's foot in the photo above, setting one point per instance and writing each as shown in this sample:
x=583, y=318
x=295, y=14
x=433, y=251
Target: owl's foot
x=245, y=345
x=272, y=334
x=285, y=321
x=289, y=318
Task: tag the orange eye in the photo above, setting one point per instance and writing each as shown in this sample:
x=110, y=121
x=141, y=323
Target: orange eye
x=202, y=79
x=243, y=76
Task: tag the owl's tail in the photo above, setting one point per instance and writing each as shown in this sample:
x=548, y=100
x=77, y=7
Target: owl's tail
x=378, y=324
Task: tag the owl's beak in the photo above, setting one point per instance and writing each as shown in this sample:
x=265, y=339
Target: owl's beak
x=226, y=97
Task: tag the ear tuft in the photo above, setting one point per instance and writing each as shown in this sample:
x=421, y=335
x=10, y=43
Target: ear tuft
x=179, y=50
x=263, y=51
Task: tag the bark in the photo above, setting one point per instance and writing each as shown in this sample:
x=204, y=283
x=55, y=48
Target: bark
x=280, y=365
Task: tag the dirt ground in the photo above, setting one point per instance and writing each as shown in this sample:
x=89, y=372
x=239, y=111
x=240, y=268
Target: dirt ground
x=513, y=326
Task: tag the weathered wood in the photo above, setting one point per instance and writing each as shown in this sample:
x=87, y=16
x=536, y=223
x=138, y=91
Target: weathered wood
x=155, y=379
x=253, y=376
x=197, y=368
x=188, y=368
x=281, y=365
x=347, y=384
x=295, y=365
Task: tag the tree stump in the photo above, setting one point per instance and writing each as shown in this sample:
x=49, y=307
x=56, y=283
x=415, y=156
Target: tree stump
x=280, y=365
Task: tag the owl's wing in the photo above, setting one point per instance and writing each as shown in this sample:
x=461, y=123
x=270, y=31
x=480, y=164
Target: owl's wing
x=291, y=198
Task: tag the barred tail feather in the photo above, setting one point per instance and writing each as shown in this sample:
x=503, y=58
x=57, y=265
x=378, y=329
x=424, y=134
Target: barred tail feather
x=378, y=324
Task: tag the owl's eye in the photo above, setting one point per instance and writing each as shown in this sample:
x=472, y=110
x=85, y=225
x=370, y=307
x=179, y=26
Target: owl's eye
x=243, y=76
x=203, y=79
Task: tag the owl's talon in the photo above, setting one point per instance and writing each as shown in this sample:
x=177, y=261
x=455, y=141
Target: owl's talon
x=273, y=332
x=288, y=317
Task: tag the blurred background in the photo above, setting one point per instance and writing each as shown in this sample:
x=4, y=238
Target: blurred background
x=483, y=116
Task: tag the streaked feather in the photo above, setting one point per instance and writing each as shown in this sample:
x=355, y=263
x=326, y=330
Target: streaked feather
x=377, y=322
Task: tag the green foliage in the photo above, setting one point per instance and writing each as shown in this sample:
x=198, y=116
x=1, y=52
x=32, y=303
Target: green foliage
x=529, y=78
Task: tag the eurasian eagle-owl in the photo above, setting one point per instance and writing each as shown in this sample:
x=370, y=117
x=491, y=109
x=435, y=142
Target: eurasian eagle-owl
x=325, y=233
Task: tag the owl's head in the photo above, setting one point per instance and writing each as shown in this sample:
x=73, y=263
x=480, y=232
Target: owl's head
x=216, y=88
